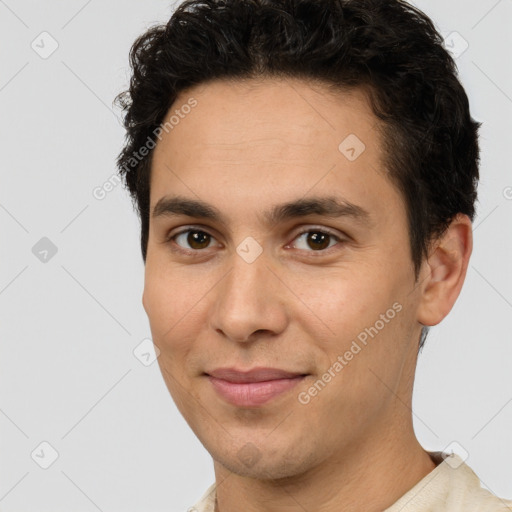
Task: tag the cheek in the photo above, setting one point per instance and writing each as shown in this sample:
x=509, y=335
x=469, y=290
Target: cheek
x=358, y=316
x=341, y=302
x=166, y=292
x=174, y=324
x=169, y=305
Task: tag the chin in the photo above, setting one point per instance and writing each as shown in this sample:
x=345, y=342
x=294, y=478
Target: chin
x=265, y=462
x=269, y=470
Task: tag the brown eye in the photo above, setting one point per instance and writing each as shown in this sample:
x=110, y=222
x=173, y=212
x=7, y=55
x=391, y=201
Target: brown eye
x=196, y=239
x=316, y=240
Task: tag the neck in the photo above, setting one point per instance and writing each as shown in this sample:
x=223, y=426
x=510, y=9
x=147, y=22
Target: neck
x=368, y=477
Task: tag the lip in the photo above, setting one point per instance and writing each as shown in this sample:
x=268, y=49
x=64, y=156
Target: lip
x=254, y=387
x=258, y=374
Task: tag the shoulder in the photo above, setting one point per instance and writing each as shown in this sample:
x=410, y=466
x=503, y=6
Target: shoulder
x=206, y=502
x=468, y=494
x=451, y=487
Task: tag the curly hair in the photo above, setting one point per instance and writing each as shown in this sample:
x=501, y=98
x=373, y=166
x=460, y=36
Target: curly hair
x=389, y=48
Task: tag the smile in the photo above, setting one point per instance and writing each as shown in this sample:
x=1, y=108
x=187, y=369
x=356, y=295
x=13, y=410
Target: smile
x=253, y=394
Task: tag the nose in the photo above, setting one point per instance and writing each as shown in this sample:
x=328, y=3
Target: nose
x=249, y=301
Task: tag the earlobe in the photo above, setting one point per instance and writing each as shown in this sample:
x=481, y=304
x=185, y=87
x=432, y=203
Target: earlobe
x=445, y=271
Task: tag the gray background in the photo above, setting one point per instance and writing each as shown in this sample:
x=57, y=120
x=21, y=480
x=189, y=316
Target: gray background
x=70, y=324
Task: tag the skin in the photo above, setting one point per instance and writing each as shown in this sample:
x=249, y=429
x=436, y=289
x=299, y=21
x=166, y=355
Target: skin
x=244, y=148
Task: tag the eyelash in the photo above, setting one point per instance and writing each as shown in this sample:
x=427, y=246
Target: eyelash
x=178, y=248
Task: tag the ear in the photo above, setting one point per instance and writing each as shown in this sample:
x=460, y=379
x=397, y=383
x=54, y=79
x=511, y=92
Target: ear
x=444, y=271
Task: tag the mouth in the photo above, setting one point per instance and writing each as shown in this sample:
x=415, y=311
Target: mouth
x=254, y=387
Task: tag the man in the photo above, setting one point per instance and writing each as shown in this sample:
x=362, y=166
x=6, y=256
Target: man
x=305, y=173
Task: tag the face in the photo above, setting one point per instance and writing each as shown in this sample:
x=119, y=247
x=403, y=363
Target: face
x=288, y=249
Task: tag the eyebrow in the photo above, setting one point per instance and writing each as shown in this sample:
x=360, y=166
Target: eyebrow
x=169, y=206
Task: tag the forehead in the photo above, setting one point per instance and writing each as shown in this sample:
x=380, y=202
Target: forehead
x=270, y=137
x=290, y=111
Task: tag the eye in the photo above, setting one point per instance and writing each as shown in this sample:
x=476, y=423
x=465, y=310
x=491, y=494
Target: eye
x=196, y=239
x=312, y=240
x=316, y=239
